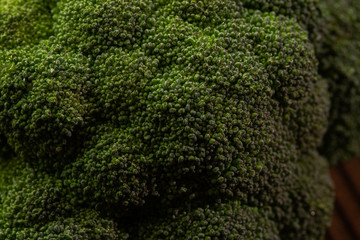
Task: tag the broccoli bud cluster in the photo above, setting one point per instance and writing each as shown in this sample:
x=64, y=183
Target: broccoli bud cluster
x=161, y=120
x=339, y=58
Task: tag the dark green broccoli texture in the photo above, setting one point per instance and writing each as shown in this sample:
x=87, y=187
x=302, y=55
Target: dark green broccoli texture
x=339, y=59
x=168, y=119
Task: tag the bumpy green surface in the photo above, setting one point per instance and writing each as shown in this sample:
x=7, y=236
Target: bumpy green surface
x=161, y=120
x=340, y=65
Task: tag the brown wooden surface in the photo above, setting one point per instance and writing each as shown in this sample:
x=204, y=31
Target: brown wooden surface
x=345, y=223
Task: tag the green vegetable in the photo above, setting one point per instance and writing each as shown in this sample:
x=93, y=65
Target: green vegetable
x=340, y=64
x=143, y=119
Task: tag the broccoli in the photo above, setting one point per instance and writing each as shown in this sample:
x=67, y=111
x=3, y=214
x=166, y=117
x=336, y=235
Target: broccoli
x=155, y=119
x=339, y=58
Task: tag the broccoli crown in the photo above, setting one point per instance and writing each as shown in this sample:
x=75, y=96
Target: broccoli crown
x=339, y=57
x=161, y=120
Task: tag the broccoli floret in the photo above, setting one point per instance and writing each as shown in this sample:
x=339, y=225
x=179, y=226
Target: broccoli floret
x=24, y=22
x=37, y=206
x=229, y=220
x=164, y=120
x=236, y=220
x=339, y=58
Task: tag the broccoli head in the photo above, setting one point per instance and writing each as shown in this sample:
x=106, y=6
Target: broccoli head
x=339, y=58
x=161, y=120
